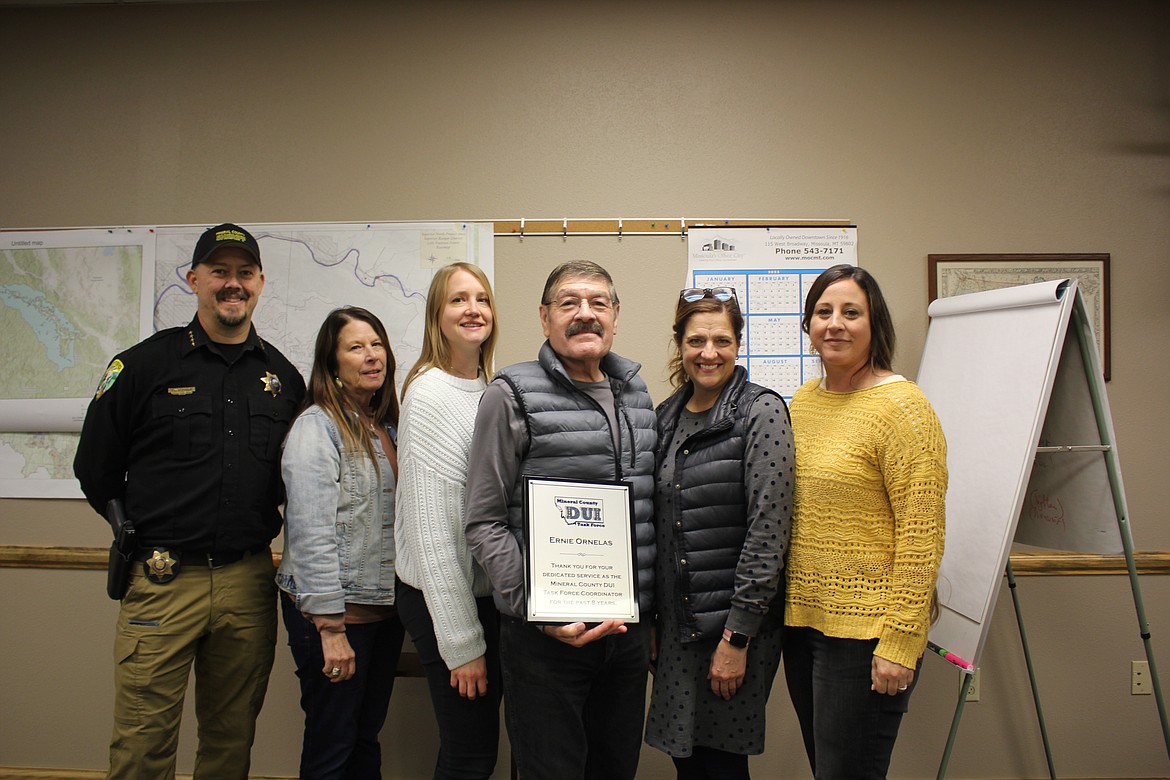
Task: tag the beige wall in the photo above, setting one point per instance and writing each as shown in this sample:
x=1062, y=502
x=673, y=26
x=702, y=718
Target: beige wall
x=999, y=127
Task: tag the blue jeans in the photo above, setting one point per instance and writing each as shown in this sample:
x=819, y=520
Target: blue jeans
x=849, y=730
x=342, y=720
x=469, y=731
x=574, y=712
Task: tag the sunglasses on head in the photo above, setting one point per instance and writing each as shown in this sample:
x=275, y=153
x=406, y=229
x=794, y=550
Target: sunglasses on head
x=692, y=294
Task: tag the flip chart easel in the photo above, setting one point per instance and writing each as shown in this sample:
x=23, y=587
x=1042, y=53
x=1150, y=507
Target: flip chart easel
x=1015, y=379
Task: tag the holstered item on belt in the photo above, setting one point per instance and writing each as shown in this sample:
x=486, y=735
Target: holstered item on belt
x=121, y=551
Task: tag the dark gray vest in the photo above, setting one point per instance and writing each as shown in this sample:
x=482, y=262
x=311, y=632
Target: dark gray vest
x=569, y=437
x=710, y=520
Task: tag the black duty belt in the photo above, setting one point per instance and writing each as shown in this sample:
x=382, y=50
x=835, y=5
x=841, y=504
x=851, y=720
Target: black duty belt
x=162, y=563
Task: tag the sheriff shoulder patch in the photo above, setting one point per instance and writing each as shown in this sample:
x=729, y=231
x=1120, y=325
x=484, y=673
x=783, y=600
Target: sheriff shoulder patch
x=111, y=376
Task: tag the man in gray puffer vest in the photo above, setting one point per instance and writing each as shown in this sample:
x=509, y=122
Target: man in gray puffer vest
x=575, y=693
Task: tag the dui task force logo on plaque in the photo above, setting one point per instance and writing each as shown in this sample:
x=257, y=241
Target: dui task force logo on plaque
x=581, y=512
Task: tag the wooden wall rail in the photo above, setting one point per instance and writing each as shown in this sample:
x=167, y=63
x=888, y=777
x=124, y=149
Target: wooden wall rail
x=1024, y=564
x=666, y=226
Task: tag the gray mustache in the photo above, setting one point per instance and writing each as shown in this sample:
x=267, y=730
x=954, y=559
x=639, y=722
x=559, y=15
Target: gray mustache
x=592, y=326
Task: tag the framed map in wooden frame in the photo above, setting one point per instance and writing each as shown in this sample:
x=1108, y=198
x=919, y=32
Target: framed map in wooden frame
x=960, y=274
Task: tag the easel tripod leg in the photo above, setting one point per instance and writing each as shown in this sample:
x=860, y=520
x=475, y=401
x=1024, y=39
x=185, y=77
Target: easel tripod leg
x=1011, y=578
x=1113, y=468
x=1144, y=628
x=946, y=756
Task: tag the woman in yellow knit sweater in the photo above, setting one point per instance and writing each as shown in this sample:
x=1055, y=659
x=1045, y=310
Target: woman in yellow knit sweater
x=867, y=532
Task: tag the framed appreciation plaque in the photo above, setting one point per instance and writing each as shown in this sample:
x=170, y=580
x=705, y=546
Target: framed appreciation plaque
x=580, y=557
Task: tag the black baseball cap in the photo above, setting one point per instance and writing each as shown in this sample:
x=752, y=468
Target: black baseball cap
x=227, y=234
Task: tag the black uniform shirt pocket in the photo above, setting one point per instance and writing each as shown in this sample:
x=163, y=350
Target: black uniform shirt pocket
x=189, y=419
x=268, y=421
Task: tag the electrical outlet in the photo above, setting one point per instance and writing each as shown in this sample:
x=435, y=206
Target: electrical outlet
x=971, y=682
x=1139, y=678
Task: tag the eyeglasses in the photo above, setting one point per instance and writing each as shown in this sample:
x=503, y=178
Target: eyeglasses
x=692, y=294
x=570, y=304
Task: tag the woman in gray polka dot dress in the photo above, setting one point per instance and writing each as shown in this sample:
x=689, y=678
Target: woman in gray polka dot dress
x=723, y=510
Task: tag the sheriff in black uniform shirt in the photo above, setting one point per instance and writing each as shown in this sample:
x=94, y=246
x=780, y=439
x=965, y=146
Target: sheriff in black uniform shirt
x=186, y=428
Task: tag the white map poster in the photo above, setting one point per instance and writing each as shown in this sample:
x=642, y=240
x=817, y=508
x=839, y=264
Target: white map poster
x=771, y=269
x=69, y=299
x=309, y=270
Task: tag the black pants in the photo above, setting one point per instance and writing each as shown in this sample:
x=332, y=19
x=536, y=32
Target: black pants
x=342, y=720
x=469, y=731
x=849, y=730
x=706, y=763
x=574, y=712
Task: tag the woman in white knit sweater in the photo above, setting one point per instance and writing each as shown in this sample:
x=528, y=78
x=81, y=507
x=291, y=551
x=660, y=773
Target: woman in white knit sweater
x=443, y=596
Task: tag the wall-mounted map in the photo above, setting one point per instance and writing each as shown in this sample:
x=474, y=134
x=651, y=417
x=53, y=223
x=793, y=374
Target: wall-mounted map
x=71, y=299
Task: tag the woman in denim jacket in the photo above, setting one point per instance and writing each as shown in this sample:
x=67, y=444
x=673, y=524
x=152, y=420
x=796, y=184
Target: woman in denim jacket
x=340, y=470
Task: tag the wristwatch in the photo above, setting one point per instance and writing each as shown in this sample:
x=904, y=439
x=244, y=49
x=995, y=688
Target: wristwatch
x=735, y=639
